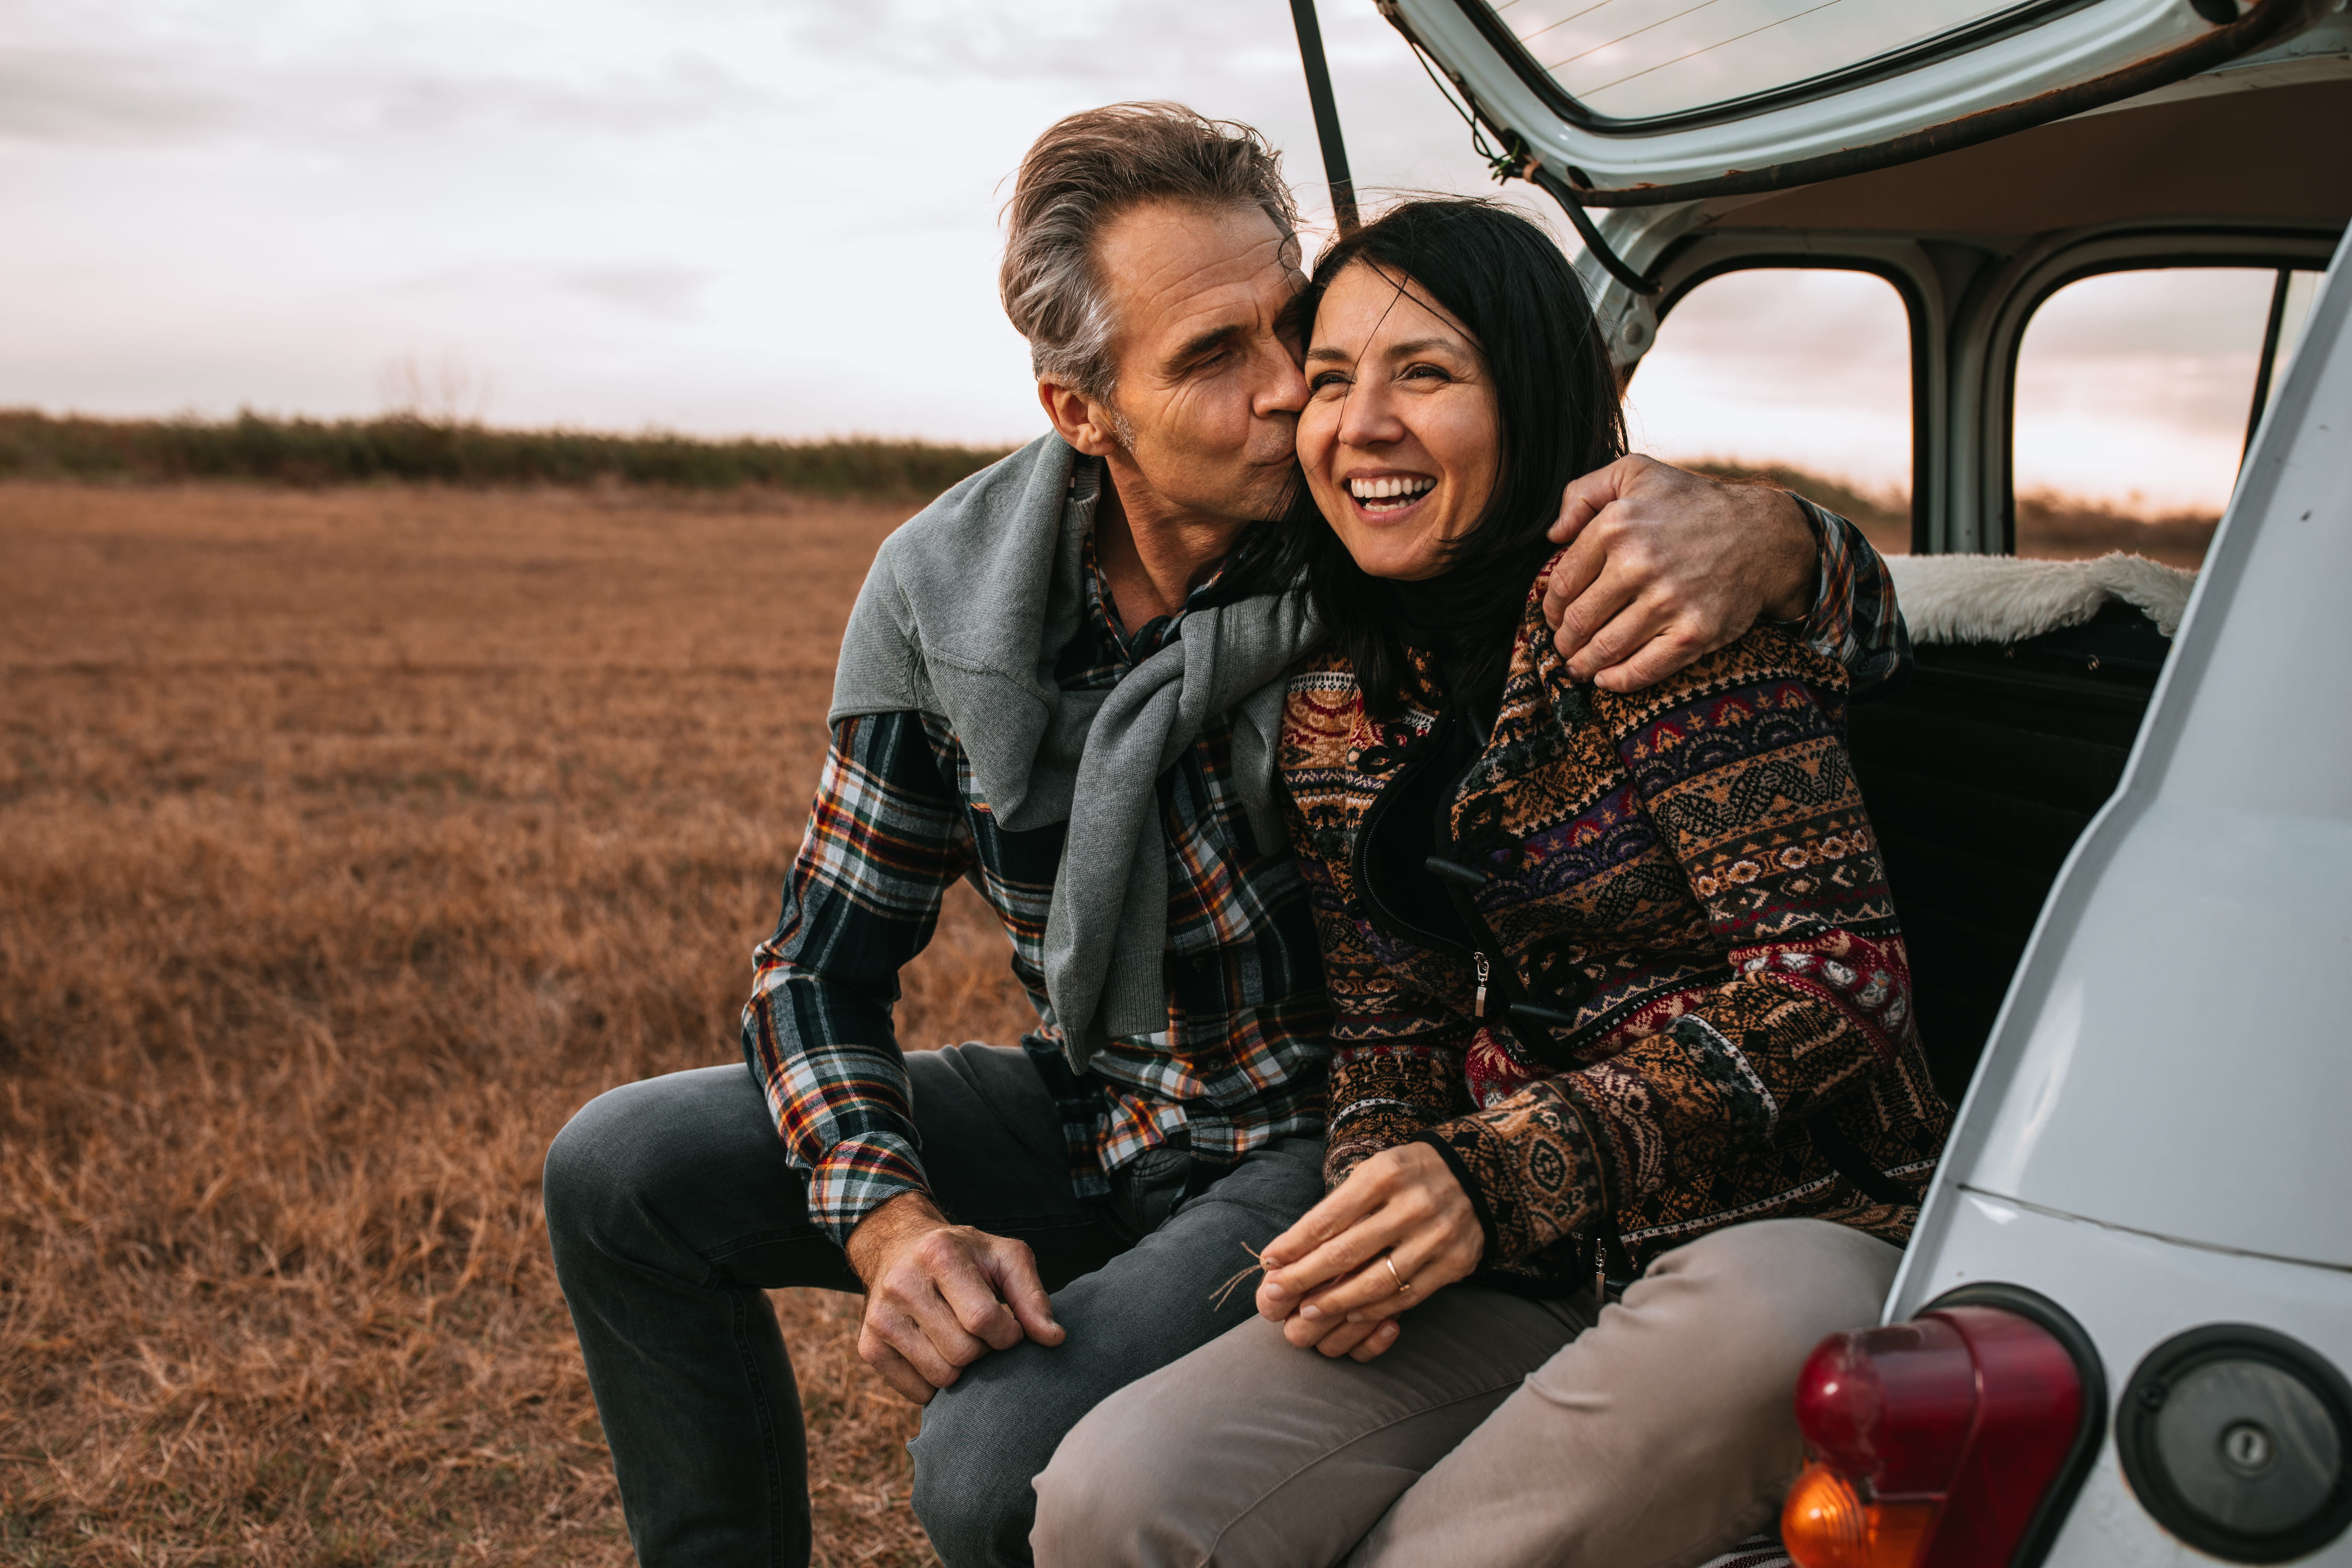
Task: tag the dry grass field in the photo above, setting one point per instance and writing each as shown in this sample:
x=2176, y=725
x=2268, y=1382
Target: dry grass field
x=349, y=839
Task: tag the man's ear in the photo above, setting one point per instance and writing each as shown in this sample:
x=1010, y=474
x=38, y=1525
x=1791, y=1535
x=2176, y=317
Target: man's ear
x=1078, y=419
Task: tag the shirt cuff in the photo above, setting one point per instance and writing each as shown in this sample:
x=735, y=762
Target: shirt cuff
x=1530, y=1170
x=857, y=1176
x=1805, y=628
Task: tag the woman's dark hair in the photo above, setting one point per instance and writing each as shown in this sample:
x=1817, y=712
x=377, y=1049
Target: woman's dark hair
x=1507, y=281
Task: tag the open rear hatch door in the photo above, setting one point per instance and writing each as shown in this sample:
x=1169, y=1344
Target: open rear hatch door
x=1647, y=103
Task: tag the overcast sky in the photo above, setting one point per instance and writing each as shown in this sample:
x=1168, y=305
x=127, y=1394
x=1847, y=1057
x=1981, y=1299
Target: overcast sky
x=728, y=216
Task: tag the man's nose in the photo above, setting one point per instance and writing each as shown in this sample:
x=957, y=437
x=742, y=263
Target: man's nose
x=1282, y=385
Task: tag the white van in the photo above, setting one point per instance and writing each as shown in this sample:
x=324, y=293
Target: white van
x=2123, y=860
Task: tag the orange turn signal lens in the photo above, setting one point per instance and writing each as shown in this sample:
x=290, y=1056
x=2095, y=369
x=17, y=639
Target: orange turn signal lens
x=1827, y=1525
x=1823, y=1524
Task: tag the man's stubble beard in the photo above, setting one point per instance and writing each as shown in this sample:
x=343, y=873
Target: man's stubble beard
x=1265, y=494
x=1267, y=491
x=1278, y=496
x=1275, y=482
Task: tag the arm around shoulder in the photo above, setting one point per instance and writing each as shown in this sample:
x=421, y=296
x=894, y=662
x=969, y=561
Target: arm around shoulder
x=1852, y=618
x=1663, y=567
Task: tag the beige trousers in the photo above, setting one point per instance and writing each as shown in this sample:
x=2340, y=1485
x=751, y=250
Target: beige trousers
x=1498, y=1431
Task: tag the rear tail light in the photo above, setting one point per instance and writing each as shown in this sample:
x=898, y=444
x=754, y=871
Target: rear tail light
x=1956, y=1440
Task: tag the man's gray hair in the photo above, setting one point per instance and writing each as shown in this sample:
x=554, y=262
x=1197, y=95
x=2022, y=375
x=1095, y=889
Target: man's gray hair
x=1087, y=171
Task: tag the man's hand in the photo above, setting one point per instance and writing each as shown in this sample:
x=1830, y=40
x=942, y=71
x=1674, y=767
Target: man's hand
x=1663, y=567
x=940, y=1296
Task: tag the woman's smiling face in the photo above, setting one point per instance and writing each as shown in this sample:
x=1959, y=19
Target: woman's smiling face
x=1402, y=438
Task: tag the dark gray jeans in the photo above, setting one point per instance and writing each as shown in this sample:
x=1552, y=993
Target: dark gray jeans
x=670, y=1208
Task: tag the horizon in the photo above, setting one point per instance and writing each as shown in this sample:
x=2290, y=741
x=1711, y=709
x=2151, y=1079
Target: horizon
x=1878, y=510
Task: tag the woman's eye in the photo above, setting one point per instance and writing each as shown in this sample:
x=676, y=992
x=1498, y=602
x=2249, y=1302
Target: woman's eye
x=1425, y=372
x=1328, y=378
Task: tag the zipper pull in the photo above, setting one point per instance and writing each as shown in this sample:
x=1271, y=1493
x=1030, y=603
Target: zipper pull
x=1478, y=1006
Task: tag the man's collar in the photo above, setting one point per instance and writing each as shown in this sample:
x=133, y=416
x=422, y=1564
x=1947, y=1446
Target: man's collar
x=1090, y=477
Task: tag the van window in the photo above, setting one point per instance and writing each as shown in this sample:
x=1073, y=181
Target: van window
x=1801, y=375
x=1639, y=59
x=2136, y=394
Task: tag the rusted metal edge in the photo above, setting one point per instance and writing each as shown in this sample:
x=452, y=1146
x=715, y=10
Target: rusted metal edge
x=2257, y=27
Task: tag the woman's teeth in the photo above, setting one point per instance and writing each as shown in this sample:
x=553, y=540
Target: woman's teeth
x=1390, y=494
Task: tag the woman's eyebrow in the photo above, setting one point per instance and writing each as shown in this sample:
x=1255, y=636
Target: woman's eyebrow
x=1392, y=350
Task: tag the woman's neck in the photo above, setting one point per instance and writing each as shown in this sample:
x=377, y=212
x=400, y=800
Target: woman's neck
x=1452, y=616
x=1439, y=608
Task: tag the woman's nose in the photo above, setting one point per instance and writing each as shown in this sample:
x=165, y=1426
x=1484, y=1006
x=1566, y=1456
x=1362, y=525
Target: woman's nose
x=1369, y=418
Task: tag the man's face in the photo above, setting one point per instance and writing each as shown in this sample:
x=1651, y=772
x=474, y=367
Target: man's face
x=1209, y=385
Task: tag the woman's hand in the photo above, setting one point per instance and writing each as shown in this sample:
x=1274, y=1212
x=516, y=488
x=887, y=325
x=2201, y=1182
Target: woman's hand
x=1328, y=1280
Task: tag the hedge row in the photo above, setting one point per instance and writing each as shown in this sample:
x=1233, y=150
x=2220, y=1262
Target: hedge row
x=405, y=447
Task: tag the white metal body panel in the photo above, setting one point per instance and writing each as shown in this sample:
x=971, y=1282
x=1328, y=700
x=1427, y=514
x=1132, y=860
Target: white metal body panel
x=2076, y=46
x=2131, y=1293
x=2175, y=1055
x=2159, y=1135
x=2189, y=1071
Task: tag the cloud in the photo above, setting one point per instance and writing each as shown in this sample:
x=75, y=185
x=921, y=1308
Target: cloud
x=683, y=90
x=1046, y=40
x=123, y=86
x=664, y=292
x=88, y=96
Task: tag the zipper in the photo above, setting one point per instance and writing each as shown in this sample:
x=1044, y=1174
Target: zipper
x=1503, y=982
x=1525, y=1022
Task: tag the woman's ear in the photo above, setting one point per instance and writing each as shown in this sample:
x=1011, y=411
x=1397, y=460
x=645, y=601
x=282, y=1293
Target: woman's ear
x=1078, y=419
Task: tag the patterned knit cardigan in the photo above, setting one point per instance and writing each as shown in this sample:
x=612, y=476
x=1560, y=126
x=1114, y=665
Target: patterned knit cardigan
x=1700, y=1006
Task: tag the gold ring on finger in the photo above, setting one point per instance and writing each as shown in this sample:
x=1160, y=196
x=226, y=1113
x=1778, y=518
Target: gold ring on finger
x=1389, y=1258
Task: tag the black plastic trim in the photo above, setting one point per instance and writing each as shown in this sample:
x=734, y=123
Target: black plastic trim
x=2050, y=1514
x=1595, y=244
x=2264, y=368
x=1326, y=113
x=2136, y=1437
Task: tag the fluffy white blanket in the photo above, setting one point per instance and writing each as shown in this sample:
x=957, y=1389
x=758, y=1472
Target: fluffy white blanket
x=1999, y=598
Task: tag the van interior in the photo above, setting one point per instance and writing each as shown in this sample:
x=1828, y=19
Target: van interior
x=1982, y=157
x=1984, y=767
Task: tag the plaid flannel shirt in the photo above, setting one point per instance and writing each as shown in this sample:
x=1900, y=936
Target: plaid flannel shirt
x=897, y=818
x=1855, y=618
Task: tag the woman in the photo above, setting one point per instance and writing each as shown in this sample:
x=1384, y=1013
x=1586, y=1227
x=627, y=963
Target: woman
x=1618, y=991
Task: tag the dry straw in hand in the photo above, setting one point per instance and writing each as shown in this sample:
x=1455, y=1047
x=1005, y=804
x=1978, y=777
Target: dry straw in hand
x=1223, y=1293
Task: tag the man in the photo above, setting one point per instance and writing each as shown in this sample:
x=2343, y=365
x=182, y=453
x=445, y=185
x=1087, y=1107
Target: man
x=1051, y=687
